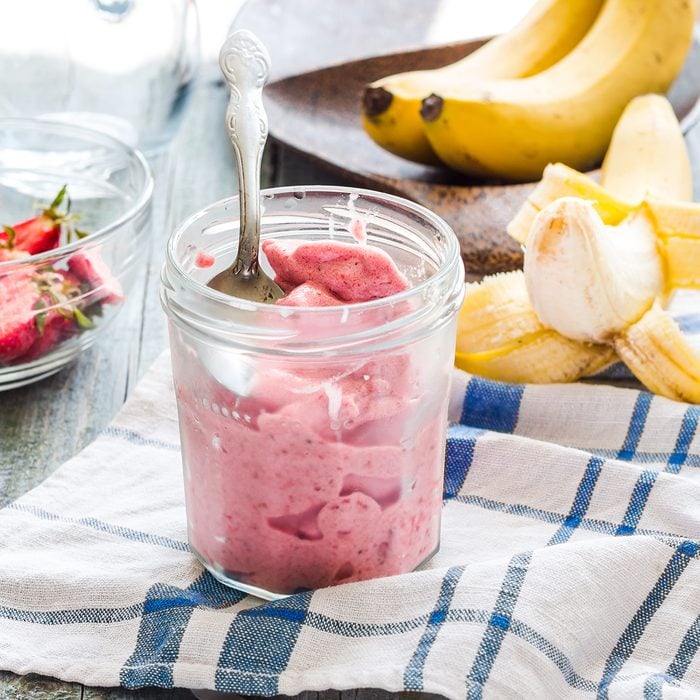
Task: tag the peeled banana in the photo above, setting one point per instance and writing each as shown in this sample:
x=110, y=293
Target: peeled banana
x=586, y=280
x=592, y=282
x=595, y=267
x=550, y=30
x=676, y=224
x=499, y=336
x=511, y=129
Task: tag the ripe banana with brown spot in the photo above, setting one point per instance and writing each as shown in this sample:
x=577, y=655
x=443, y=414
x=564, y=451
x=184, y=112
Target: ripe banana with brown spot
x=511, y=129
x=586, y=280
x=391, y=106
x=676, y=223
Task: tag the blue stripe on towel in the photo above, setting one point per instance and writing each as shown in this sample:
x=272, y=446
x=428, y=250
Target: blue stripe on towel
x=634, y=630
x=498, y=624
x=492, y=405
x=582, y=500
x=638, y=501
x=636, y=427
x=459, y=454
x=686, y=651
x=684, y=439
x=166, y=612
x=114, y=431
x=602, y=527
x=413, y=675
x=258, y=646
x=102, y=526
x=689, y=323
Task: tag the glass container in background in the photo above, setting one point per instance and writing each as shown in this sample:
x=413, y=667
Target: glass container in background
x=110, y=187
x=313, y=438
x=125, y=67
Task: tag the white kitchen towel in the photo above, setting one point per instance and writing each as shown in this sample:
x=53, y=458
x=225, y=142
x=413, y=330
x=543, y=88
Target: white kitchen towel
x=569, y=567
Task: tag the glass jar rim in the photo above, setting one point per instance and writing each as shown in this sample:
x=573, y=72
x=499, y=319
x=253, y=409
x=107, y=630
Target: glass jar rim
x=452, y=256
x=134, y=156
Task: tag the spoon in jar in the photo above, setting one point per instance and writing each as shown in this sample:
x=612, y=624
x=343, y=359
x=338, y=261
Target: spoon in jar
x=245, y=64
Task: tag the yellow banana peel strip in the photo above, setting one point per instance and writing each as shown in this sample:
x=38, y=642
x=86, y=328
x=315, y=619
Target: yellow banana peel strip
x=500, y=337
x=659, y=355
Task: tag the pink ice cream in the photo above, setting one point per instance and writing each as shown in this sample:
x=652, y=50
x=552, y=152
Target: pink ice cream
x=316, y=475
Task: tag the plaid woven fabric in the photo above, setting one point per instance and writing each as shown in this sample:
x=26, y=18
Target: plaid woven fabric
x=569, y=567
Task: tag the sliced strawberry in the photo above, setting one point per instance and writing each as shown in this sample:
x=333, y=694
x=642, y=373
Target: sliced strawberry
x=55, y=328
x=18, y=328
x=40, y=233
x=58, y=313
x=89, y=267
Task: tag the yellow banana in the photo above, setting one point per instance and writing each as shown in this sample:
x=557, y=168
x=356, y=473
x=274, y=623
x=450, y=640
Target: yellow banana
x=511, y=129
x=548, y=32
x=647, y=157
x=659, y=355
x=499, y=336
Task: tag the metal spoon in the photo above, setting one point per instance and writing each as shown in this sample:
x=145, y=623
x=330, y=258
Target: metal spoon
x=245, y=64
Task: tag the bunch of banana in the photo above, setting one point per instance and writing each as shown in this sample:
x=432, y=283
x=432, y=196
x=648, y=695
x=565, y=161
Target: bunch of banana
x=595, y=268
x=391, y=106
x=509, y=126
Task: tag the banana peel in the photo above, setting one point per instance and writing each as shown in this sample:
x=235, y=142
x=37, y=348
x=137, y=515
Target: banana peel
x=595, y=266
x=499, y=336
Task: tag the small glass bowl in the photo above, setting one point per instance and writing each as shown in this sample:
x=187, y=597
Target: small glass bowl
x=54, y=304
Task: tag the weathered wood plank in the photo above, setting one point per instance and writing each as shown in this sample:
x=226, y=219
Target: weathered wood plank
x=33, y=687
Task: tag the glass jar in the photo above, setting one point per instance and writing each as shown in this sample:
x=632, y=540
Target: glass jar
x=313, y=437
x=124, y=67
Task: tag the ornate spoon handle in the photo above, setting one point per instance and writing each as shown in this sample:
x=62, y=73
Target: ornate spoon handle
x=245, y=64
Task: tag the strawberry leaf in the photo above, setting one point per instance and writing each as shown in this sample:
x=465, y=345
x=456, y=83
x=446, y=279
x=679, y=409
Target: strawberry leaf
x=40, y=318
x=82, y=320
x=9, y=244
x=59, y=198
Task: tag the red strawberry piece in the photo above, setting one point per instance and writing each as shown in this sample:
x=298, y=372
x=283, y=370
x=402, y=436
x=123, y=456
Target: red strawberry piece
x=56, y=328
x=40, y=233
x=204, y=259
x=89, y=267
x=58, y=310
x=18, y=327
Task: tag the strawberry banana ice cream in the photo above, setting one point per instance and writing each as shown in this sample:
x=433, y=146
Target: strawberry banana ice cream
x=314, y=473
